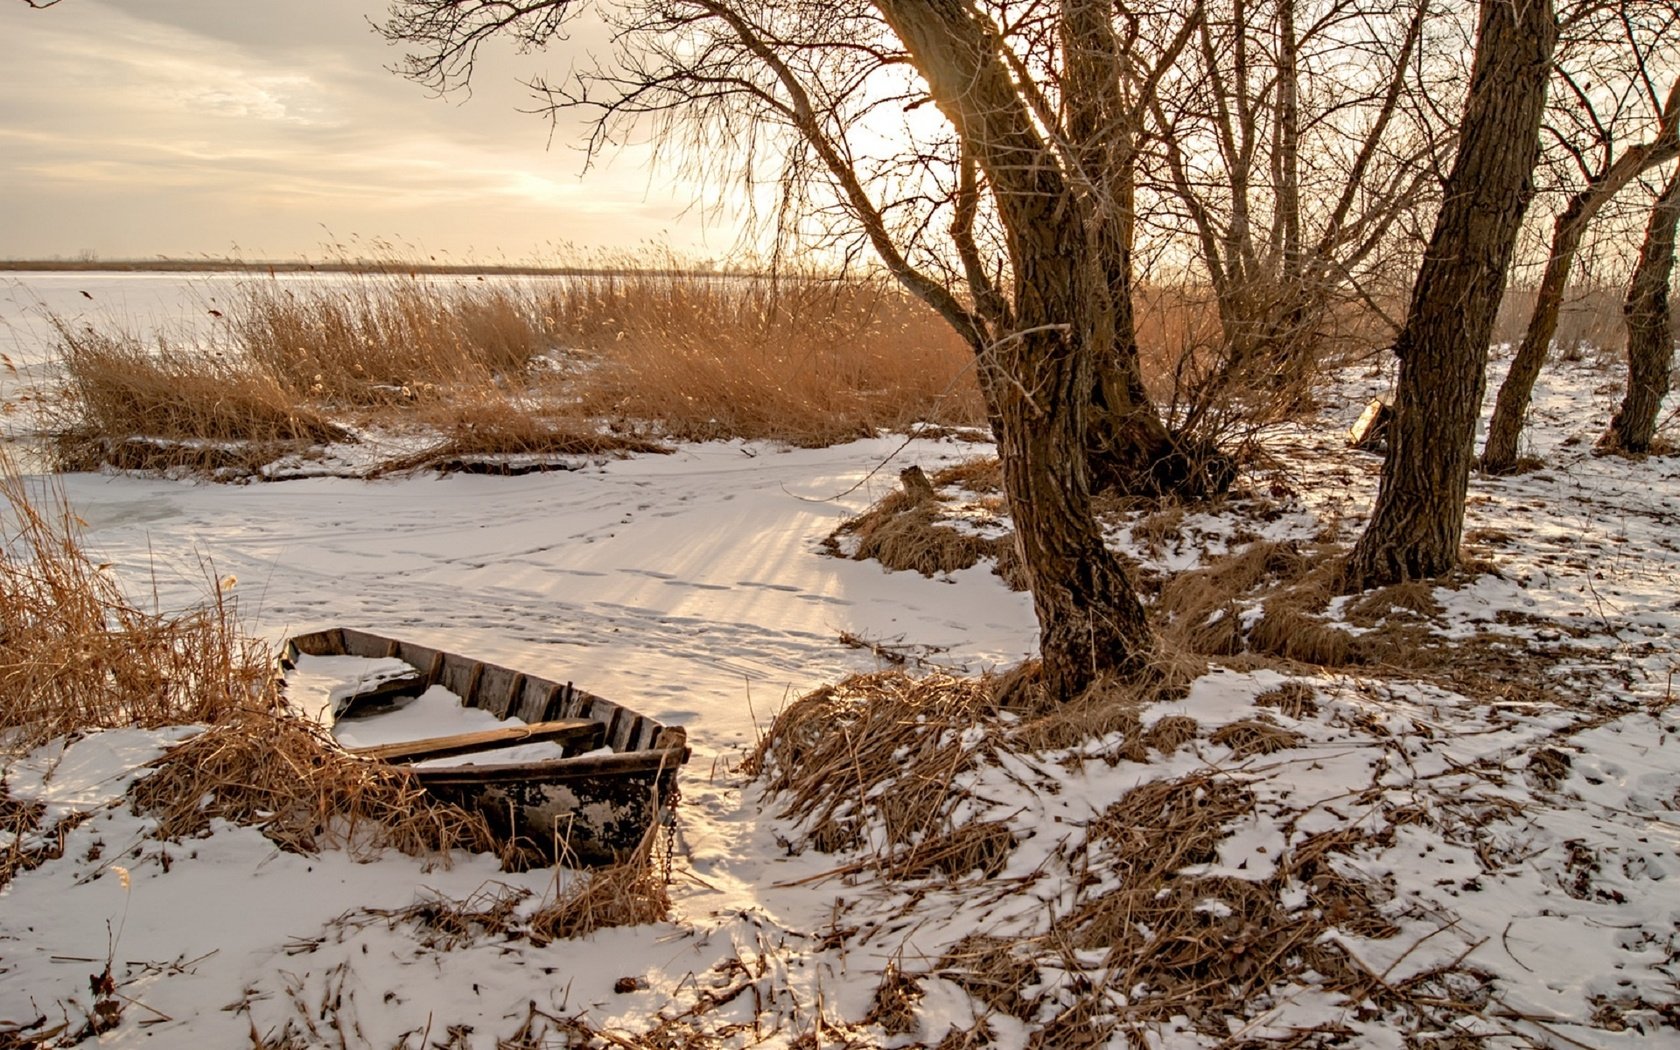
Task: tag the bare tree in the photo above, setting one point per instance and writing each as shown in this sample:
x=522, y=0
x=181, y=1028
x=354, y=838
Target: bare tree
x=1419, y=517
x=1294, y=143
x=1009, y=214
x=1650, y=338
x=1608, y=93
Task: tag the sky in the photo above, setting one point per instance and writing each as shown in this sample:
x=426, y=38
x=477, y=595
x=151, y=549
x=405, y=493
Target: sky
x=274, y=130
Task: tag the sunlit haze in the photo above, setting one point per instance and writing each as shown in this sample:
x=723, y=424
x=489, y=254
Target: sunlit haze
x=275, y=130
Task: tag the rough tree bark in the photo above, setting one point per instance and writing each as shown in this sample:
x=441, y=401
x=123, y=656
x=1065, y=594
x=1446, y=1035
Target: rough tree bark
x=1499, y=453
x=1129, y=446
x=1650, y=344
x=1090, y=620
x=1419, y=516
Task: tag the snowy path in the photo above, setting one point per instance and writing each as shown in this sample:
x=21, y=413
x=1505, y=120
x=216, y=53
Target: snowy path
x=677, y=584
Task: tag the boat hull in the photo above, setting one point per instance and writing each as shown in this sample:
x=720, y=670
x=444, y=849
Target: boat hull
x=591, y=808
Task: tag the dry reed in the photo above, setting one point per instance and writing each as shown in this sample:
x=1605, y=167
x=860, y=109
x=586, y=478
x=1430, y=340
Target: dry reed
x=903, y=533
x=282, y=774
x=801, y=359
x=877, y=760
x=142, y=407
x=383, y=340
x=632, y=891
x=78, y=654
x=1294, y=699
x=1175, y=942
x=1254, y=736
x=489, y=433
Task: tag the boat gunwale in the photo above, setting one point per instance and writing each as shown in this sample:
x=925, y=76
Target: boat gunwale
x=666, y=747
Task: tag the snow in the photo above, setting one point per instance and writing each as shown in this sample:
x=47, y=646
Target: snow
x=691, y=587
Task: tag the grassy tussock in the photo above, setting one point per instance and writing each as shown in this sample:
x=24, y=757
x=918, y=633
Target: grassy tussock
x=279, y=772
x=903, y=533
x=118, y=388
x=872, y=761
x=79, y=655
x=632, y=892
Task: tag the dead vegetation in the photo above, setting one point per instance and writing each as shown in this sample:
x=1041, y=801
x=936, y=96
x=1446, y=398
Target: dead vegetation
x=534, y=367
x=153, y=408
x=384, y=340
x=803, y=359
x=280, y=773
x=79, y=655
x=1157, y=929
x=630, y=892
x=907, y=531
x=28, y=844
x=873, y=763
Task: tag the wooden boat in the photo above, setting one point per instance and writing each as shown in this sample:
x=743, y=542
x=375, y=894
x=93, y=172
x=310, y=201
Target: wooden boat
x=587, y=806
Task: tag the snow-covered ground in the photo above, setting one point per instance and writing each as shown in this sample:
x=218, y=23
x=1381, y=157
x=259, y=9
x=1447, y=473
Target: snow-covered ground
x=1522, y=848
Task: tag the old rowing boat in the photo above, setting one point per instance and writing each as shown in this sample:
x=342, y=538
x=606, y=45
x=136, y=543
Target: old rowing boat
x=616, y=777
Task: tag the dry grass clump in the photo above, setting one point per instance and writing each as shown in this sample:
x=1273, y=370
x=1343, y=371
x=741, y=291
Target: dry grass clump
x=78, y=655
x=27, y=845
x=874, y=760
x=801, y=359
x=282, y=774
x=382, y=340
x=1254, y=736
x=444, y=923
x=893, y=1006
x=630, y=892
x=1168, y=734
x=1297, y=636
x=1203, y=607
x=1414, y=597
x=1108, y=708
x=982, y=474
x=1294, y=699
x=903, y=530
x=1200, y=607
x=143, y=407
x=904, y=533
x=493, y=434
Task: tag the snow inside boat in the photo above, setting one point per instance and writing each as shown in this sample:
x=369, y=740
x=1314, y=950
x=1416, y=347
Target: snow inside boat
x=606, y=775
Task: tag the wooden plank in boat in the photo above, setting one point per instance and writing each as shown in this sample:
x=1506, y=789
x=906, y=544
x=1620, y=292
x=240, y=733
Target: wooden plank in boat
x=571, y=731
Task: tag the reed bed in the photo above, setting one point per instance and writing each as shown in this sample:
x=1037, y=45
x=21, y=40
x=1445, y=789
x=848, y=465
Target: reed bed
x=387, y=340
x=804, y=359
x=801, y=359
x=153, y=407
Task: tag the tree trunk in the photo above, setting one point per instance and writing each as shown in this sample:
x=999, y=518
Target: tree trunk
x=1419, y=516
x=1128, y=445
x=1499, y=454
x=1650, y=341
x=1090, y=620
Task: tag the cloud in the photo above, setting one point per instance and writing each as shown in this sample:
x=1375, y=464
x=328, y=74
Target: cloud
x=168, y=126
